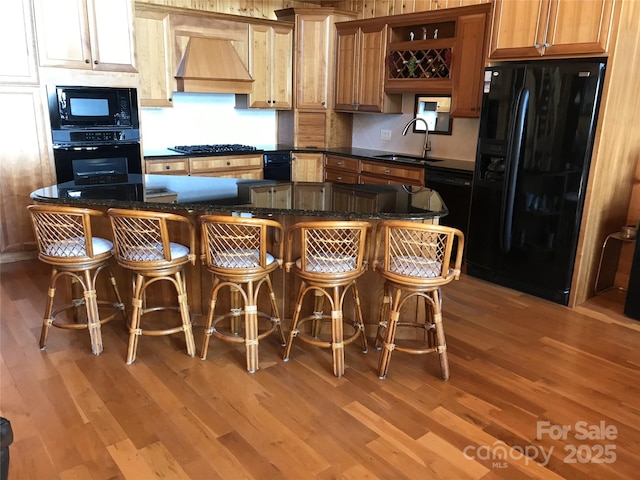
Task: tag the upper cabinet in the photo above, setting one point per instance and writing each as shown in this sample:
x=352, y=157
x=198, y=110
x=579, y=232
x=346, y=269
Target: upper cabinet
x=155, y=58
x=270, y=65
x=360, y=68
x=532, y=28
x=313, y=49
x=18, y=63
x=85, y=34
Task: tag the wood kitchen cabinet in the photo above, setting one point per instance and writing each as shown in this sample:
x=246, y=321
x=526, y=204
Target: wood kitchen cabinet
x=341, y=169
x=18, y=64
x=307, y=167
x=313, y=123
x=349, y=199
x=270, y=65
x=271, y=196
x=86, y=34
x=360, y=67
x=178, y=166
x=311, y=196
x=231, y=166
x=533, y=28
x=385, y=174
x=25, y=166
x=155, y=58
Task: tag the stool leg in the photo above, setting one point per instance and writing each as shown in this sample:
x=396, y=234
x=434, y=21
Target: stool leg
x=136, y=313
x=294, y=322
x=236, y=309
x=47, y=321
x=275, y=313
x=184, y=313
x=337, y=334
x=359, y=320
x=251, y=330
x=441, y=345
x=318, y=310
x=390, y=337
x=93, y=317
x=208, y=329
x=383, y=320
x=114, y=285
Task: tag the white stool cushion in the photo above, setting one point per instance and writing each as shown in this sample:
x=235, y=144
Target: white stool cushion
x=74, y=247
x=153, y=252
x=329, y=263
x=413, y=266
x=239, y=258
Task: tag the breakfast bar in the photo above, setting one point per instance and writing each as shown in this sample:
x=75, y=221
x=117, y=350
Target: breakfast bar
x=285, y=202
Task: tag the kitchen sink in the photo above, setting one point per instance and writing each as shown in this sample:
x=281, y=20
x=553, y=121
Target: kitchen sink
x=406, y=158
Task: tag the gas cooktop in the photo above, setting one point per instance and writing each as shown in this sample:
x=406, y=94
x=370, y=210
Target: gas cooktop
x=221, y=148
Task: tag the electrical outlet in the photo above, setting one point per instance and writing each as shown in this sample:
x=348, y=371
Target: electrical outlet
x=385, y=134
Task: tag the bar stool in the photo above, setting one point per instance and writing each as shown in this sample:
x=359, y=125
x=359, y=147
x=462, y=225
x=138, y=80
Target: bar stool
x=234, y=250
x=332, y=257
x=415, y=262
x=65, y=242
x=142, y=244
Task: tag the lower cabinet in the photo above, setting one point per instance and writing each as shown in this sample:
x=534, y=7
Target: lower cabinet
x=311, y=196
x=271, y=196
x=385, y=174
x=168, y=167
x=306, y=167
x=230, y=166
x=348, y=199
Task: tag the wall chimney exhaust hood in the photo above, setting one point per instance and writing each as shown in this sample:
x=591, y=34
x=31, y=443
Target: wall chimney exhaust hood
x=212, y=65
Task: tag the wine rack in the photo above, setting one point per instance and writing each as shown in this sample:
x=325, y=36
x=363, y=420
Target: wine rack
x=421, y=64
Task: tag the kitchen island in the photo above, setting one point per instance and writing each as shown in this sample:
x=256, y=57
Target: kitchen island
x=286, y=202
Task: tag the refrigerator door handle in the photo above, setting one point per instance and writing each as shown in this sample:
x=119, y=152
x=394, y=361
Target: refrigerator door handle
x=513, y=161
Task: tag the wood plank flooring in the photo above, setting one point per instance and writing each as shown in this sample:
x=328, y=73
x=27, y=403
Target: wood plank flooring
x=521, y=369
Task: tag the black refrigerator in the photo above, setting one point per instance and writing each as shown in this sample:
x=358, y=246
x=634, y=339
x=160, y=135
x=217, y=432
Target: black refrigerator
x=537, y=127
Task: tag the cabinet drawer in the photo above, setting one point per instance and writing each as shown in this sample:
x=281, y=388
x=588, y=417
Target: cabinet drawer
x=340, y=176
x=341, y=163
x=171, y=167
x=199, y=165
x=405, y=174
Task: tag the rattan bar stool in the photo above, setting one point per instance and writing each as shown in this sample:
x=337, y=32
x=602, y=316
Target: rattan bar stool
x=65, y=242
x=234, y=250
x=142, y=244
x=415, y=261
x=332, y=257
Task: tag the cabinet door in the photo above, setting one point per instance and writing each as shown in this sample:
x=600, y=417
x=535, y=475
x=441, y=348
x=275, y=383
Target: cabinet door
x=347, y=69
x=85, y=34
x=466, y=96
x=25, y=166
x=17, y=63
x=63, y=34
x=168, y=167
x=312, y=65
x=154, y=54
x=260, y=66
x=578, y=27
x=306, y=167
x=531, y=28
x=282, y=67
x=372, y=69
x=310, y=196
x=111, y=33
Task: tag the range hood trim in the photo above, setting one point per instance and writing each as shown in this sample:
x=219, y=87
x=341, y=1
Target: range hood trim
x=212, y=65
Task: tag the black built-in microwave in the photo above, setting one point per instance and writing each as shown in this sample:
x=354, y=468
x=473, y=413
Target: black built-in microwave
x=85, y=115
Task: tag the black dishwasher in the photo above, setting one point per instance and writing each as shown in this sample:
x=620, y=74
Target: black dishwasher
x=454, y=187
x=277, y=166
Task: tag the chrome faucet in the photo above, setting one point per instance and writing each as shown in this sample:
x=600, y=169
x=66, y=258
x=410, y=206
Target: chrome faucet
x=425, y=147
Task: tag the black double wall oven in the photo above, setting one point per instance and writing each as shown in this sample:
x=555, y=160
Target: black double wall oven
x=96, y=141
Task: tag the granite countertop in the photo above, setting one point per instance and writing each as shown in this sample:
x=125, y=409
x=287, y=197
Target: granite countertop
x=433, y=163
x=212, y=194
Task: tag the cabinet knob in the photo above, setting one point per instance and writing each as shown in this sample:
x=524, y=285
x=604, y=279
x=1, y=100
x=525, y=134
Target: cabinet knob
x=228, y=163
x=167, y=167
x=86, y=60
x=339, y=163
x=95, y=62
x=339, y=178
x=273, y=101
x=268, y=101
x=536, y=45
x=170, y=99
x=547, y=44
x=387, y=171
x=323, y=103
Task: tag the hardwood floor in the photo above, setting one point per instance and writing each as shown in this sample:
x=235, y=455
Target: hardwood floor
x=521, y=368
